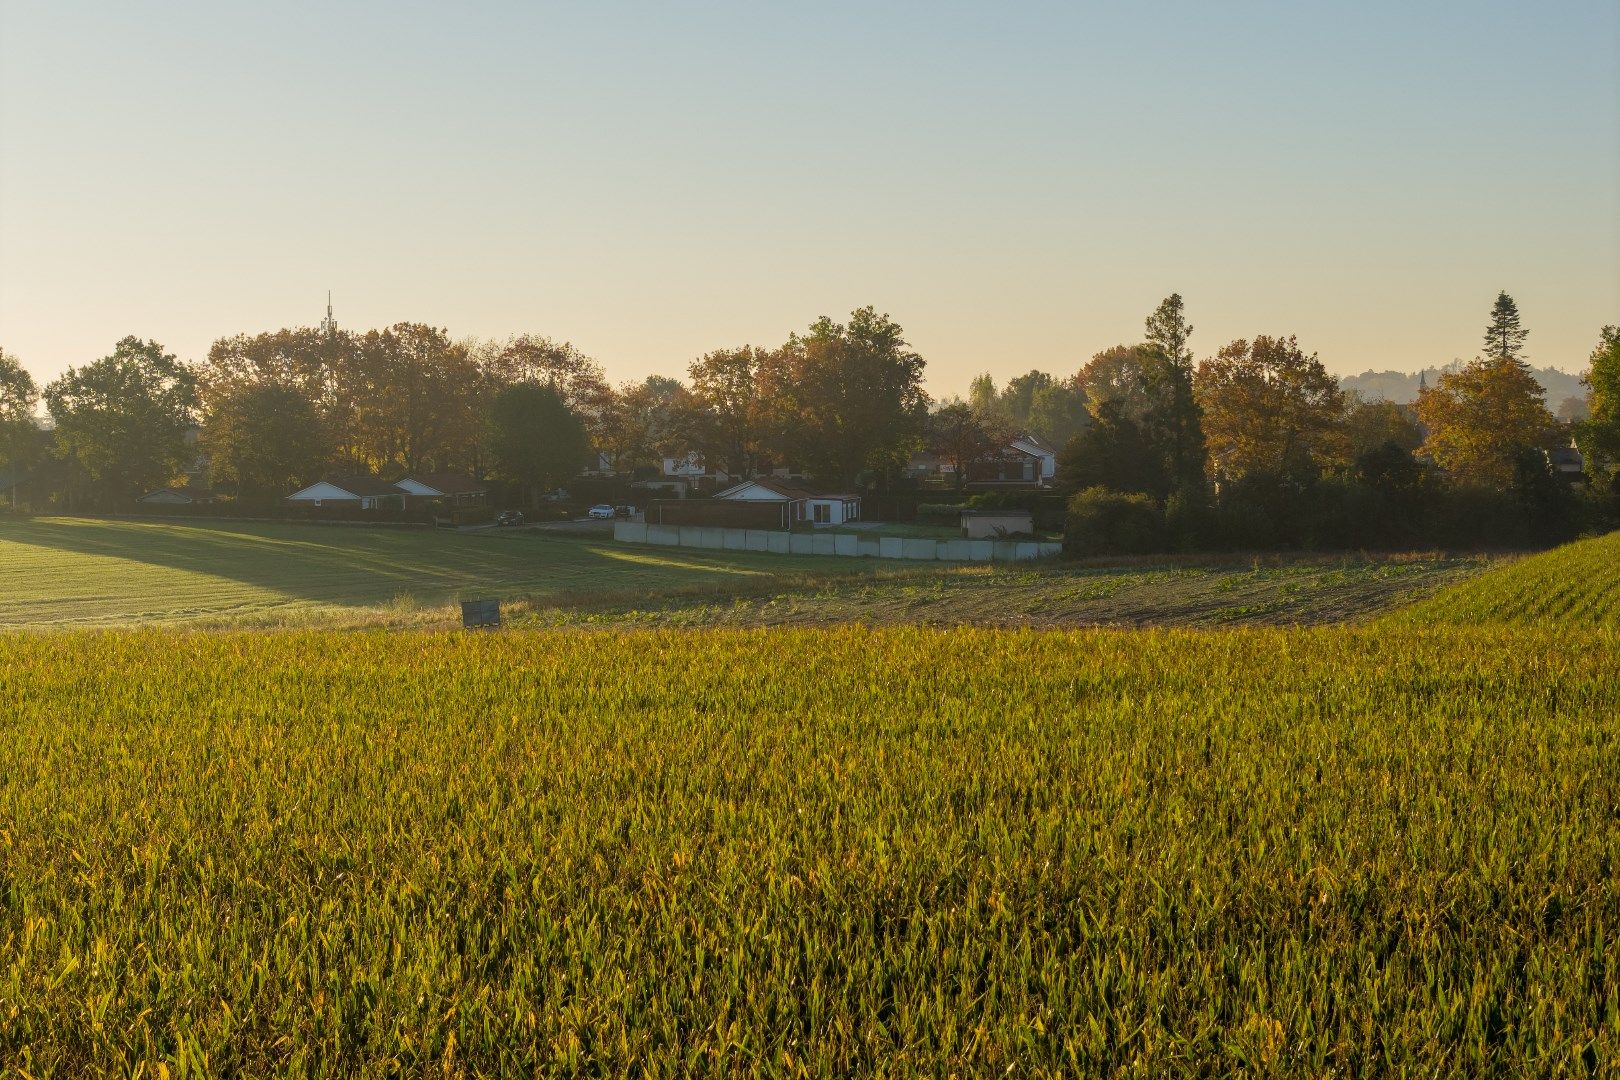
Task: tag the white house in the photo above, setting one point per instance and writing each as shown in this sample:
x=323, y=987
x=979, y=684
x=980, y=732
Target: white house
x=805, y=506
x=690, y=467
x=1037, y=448
x=453, y=488
x=363, y=492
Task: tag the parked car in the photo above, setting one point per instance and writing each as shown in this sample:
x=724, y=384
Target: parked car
x=509, y=517
x=600, y=512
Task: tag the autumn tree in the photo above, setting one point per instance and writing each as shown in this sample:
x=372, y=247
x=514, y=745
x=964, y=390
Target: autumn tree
x=1599, y=434
x=1120, y=375
x=123, y=420
x=1270, y=409
x=535, y=440
x=847, y=398
x=1370, y=425
x=959, y=434
x=1483, y=418
x=275, y=406
x=415, y=396
x=18, y=397
x=644, y=421
x=729, y=420
x=265, y=438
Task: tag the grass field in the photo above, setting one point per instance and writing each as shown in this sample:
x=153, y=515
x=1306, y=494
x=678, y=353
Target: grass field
x=1319, y=852
x=80, y=572
x=1576, y=586
x=86, y=572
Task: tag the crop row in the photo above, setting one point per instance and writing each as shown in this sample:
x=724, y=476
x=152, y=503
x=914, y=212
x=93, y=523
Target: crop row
x=795, y=853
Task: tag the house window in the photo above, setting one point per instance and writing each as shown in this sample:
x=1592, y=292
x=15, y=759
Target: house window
x=823, y=514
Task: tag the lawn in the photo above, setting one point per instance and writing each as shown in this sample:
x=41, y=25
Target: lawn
x=81, y=572
x=88, y=572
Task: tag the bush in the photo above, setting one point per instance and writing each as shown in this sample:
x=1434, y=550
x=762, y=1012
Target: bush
x=1104, y=522
x=939, y=513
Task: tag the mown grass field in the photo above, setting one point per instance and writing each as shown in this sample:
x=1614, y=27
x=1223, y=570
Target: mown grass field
x=1317, y=852
x=86, y=573
x=1575, y=586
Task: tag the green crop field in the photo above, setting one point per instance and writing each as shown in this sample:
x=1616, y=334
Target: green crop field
x=1315, y=852
x=87, y=573
x=1576, y=586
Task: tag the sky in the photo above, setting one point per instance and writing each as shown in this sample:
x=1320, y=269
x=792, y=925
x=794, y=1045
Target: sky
x=1017, y=184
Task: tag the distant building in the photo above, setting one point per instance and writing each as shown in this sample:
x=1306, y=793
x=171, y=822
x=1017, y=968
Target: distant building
x=184, y=495
x=454, y=489
x=352, y=492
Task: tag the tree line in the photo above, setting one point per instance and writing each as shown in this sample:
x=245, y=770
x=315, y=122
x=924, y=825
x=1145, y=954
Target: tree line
x=1254, y=445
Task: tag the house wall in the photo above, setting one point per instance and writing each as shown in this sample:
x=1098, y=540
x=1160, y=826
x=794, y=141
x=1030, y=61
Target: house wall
x=833, y=544
x=324, y=493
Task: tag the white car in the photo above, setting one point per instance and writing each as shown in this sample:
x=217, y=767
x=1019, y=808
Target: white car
x=600, y=512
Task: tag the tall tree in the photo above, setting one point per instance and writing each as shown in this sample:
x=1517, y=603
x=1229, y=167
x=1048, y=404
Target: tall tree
x=1599, y=435
x=1122, y=375
x=1270, y=409
x=1482, y=419
x=1115, y=453
x=728, y=416
x=982, y=395
x=1057, y=413
x=643, y=421
x=535, y=440
x=1369, y=425
x=1504, y=337
x=415, y=396
x=309, y=364
x=1019, y=396
x=266, y=438
x=123, y=420
x=847, y=398
x=1174, y=415
x=18, y=397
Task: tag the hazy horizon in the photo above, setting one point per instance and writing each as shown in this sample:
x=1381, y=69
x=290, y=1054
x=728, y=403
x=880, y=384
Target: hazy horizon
x=1017, y=187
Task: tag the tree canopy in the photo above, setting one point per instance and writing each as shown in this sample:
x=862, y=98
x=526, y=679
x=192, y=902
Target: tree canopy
x=123, y=420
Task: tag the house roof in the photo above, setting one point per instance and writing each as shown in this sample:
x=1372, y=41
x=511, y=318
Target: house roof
x=447, y=483
x=787, y=491
x=190, y=491
x=364, y=485
x=1037, y=442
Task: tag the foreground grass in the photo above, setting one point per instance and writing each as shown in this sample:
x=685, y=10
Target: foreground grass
x=1314, y=852
x=1577, y=586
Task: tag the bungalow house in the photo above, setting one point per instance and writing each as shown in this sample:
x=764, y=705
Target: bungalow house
x=761, y=503
x=183, y=495
x=349, y=492
x=806, y=505
x=1024, y=462
x=454, y=489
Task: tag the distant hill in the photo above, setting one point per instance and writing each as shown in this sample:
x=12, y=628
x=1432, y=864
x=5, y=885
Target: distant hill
x=1402, y=386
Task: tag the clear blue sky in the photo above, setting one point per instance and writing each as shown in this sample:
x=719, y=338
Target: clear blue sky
x=1018, y=184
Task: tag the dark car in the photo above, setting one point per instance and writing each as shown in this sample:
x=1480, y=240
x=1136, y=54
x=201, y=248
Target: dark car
x=509, y=517
x=624, y=511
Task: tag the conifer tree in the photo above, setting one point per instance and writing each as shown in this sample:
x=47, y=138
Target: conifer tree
x=1504, y=338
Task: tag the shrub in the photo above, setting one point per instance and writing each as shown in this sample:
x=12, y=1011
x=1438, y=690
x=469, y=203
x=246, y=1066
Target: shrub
x=1104, y=522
